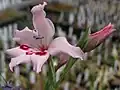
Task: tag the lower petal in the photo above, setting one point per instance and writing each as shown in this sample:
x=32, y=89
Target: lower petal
x=60, y=44
x=19, y=60
x=38, y=61
x=14, y=52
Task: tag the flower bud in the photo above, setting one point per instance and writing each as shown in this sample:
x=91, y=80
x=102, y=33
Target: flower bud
x=98, y=37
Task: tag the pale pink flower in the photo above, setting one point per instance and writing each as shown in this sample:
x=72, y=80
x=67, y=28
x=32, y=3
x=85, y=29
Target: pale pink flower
x=37, y=45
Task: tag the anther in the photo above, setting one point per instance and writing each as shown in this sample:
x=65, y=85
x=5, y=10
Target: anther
x=38, y=37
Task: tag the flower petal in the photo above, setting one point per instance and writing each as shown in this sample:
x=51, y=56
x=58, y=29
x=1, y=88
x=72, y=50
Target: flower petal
x=44, y=26
x=60, y=44
x=63, y=58
x=14, y=52
x=38, y=61
x=18, y=60
x=27, y=36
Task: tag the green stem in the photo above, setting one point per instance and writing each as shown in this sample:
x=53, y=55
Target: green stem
x=70, y=63
x=51, y=80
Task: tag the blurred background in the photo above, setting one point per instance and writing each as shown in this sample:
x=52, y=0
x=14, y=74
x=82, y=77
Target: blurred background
x=101, y=68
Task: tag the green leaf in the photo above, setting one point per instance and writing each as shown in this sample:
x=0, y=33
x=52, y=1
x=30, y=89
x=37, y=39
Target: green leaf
x=83, y=41
x=66, y=69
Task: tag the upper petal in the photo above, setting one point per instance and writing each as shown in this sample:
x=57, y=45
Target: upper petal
x=14, y=52
x=38, y=61
x=60, y=44
x=39, y=8
x=19, y=60
x=44, y=26
x=27, y=36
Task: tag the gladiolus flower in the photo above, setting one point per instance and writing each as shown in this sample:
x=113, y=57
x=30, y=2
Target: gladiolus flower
x=37, y=45
x=97, y=38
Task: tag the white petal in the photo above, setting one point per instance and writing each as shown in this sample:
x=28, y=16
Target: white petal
x=43, y=25
x=14, y=52
x=63, y=58
x=60, y=44
x=19, y=60
x=38, y=61
x=27, y=36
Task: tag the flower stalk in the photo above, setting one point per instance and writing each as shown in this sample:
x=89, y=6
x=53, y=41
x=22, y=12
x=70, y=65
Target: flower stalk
x=51, y=76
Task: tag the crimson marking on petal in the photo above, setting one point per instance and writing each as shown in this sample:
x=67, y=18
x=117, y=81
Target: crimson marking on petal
x=40, y=53
x=42, y=49
x=24, y=47
x=29, y=53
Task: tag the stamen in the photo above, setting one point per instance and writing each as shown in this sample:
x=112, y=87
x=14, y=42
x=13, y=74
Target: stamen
x=38, y=37
x=34, y=30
